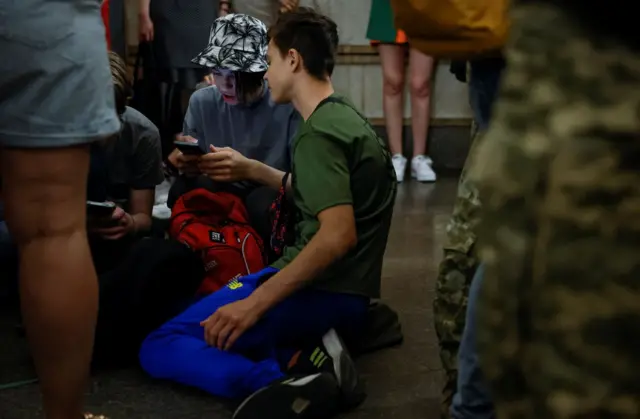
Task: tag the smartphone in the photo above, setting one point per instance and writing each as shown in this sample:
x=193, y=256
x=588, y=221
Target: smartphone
x=191, y=149
x=100, y=209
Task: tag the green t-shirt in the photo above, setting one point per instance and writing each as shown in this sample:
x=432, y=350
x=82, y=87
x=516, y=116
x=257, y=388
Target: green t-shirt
x=339, y=159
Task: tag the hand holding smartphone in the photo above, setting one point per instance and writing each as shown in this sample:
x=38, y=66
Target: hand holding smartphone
x=189, y=149
x=100, y=214
x=100, y=209
x=186, y=155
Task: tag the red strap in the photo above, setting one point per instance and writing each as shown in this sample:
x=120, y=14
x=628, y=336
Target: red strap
x=104, y=11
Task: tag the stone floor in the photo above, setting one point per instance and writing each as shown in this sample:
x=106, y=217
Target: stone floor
x=402, y=382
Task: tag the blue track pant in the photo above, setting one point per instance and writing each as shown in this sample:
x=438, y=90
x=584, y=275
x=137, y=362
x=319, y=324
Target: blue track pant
x=177, y=351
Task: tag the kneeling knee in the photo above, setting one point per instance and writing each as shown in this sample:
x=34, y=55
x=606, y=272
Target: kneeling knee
x=153, y=354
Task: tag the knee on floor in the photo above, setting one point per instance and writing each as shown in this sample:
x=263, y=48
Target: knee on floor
x=153, y=354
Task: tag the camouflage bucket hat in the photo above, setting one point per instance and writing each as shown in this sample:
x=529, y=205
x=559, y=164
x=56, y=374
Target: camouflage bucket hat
x=237, y=42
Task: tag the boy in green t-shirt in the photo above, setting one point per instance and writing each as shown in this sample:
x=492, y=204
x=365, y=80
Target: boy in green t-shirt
x=233, y=342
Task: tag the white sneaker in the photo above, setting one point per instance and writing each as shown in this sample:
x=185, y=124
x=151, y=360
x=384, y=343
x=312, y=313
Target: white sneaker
x=421, y=169
x=400, y=166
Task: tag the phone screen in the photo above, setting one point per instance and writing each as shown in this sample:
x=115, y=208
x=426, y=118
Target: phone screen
x=189, y=148
x=100, y=209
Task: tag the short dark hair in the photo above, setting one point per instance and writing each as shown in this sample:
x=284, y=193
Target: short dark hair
x=312, y=34
x=121, y=84
x=248, y=83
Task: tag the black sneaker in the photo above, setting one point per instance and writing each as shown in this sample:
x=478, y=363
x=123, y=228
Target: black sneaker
x=313, y=396
x=332, y=357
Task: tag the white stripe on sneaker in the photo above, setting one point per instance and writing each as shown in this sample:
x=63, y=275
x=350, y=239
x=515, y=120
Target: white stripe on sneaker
x=299, y=382
x=331, y=342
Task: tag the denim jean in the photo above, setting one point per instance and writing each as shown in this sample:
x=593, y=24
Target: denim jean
x=483, y=88
x=472, y=399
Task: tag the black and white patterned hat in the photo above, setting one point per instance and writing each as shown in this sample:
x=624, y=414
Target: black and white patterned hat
x=237, y=42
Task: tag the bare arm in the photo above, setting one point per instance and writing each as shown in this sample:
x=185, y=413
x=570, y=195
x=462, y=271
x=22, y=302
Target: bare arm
x=145, y=24
x=267, y=175
x=335, y=237
x=141, y=207
x=143, y=7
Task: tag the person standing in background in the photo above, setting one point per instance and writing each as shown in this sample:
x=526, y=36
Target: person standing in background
x=266, y=11
x=454, y=290
x=392, y=46
x=176, y=31
x=57, y=97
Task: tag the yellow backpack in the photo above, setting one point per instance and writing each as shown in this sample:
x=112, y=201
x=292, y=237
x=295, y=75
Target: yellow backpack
x=453, y=28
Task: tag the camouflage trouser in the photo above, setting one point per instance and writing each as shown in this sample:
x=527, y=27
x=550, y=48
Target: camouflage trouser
x=559, y=173
x=454, y=277
x=450, y=306
x=460, y=263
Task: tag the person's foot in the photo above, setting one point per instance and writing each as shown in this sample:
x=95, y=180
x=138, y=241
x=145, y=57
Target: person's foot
x=313, y=396
x=332, y=357
x=399, y=165
x=421, y=169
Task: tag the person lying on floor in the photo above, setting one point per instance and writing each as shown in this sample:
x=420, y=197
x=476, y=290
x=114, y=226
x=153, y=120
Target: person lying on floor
x=242, y=341
x=125, y=169
x=235, y=122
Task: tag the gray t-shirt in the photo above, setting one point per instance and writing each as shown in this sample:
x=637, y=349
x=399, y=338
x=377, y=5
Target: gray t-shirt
x=133, y=159
x=262, y=131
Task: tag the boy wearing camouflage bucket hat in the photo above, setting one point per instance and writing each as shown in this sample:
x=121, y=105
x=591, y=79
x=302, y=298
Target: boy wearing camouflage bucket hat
x=235, y=122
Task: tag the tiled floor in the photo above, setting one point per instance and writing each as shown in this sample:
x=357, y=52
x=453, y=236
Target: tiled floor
x=403, y=382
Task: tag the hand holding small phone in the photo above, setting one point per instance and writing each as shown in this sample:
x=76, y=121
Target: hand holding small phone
x=113, y=226
x=189, y=148
x=100, y=210
x=224, y=164
x=186, y=155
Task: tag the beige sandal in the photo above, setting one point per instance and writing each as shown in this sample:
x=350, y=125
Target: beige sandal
x=92, y=416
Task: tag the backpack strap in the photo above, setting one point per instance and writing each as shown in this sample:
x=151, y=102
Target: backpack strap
x=334, y=99
x=285, y=179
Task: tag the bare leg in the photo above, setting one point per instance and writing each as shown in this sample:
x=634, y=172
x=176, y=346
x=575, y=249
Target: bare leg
x=392, y=59
x=420, y=71
x=44, y=193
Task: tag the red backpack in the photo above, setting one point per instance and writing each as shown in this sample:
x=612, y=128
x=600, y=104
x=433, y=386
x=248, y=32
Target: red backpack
x=217, y=225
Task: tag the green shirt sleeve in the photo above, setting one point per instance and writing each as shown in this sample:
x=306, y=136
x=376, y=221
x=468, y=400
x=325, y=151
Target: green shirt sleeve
x=321, y=169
